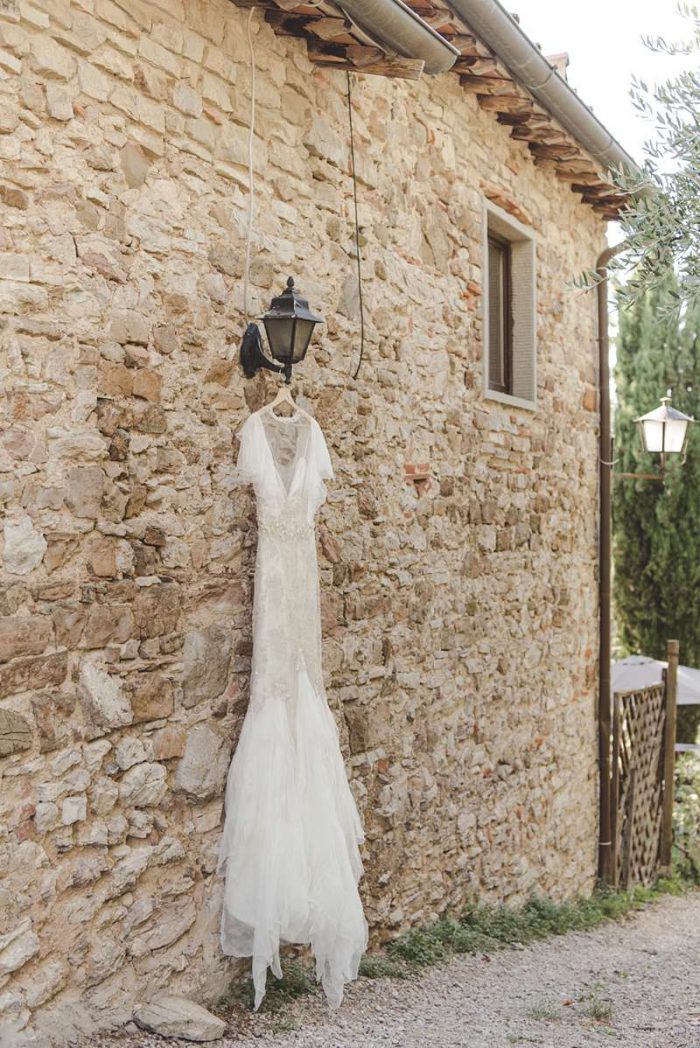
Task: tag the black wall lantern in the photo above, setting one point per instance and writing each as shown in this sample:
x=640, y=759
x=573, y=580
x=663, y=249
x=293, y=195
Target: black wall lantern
x=289, y=324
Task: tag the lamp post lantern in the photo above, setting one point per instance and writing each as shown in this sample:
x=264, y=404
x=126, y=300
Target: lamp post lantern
x=664, y=431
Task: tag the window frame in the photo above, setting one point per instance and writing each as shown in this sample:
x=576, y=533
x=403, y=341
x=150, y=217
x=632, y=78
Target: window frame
x=502, y=225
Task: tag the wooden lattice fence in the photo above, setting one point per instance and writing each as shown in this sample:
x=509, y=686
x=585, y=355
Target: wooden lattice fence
x=637, y=784
x=643, y=738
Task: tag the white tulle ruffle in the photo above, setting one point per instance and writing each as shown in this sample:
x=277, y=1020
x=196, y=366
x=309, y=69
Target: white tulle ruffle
x=290, y=845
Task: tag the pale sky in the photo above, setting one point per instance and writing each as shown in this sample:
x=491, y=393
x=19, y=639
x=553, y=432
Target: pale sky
x=604, y=41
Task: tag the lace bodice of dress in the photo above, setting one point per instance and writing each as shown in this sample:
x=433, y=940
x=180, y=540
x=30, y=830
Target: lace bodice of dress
x=286, y=515
x=286, y=460
x=285, y=436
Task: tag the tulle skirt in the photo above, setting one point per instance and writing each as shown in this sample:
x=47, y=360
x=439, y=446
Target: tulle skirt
x=289, y=850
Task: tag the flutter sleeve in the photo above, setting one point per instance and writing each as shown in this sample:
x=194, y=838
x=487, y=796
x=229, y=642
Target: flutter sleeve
x=248, y=464
x=324, y=468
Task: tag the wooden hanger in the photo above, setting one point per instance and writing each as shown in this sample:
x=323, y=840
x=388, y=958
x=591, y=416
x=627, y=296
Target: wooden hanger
x=284, y=396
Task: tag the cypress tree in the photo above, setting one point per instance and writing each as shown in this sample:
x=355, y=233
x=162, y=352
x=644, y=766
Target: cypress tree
x=656, y=527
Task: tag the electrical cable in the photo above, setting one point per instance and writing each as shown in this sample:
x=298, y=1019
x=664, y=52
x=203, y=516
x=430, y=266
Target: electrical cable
x=251, y=173
x=357, y=231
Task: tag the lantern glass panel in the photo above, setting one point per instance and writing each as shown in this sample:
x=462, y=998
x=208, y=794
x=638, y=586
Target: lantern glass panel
x=302, y=336
x=280, y=335
x=653, y=435
x=675, y=435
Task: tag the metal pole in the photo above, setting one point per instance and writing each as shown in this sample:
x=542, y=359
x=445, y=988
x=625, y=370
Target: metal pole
x=672, y=648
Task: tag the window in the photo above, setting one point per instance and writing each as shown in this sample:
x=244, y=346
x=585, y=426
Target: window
x=500, y=333
x=509, y=310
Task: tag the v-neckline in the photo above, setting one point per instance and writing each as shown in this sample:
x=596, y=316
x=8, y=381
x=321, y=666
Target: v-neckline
x=286, y=491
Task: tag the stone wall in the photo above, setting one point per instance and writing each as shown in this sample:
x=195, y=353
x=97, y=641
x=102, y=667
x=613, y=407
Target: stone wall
x=459, y=619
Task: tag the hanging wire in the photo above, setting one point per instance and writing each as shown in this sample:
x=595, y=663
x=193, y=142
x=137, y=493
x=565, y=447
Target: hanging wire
x=251, y=173
x=357, y=231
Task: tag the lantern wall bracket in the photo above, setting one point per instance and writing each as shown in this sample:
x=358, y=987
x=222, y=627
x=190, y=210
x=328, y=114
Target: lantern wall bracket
x=641, y=476
x=253, y=359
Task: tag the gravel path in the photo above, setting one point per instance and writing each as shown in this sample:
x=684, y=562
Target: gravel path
x=634, y=983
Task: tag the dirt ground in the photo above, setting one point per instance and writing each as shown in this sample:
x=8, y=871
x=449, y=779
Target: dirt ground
x=635, y=983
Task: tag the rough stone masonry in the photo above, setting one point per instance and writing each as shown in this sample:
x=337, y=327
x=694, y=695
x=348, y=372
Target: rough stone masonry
x=459, y=618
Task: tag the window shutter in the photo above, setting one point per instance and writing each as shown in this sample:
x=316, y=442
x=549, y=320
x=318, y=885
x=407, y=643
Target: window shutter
x=525, y=319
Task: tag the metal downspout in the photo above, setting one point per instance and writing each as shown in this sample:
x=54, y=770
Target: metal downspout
x=604, y=567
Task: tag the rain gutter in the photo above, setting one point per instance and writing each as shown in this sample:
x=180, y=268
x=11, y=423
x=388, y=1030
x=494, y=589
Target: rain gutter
x=492, y=24
x=394, y=24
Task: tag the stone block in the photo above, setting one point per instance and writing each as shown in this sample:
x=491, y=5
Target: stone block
x=46, y=817
x=143, y=786
x=130, y=750
x=17, y=947
x=103, y=795
x=102, y=560
x=51, y=60
x=93, y=83
x=151, y=419
x=102, y=698
x=114, y=62
x=74, y=809
x=15, y=733
x=151, y=697
x=45, y=982
x=13, y=266
x=220, y=372
x=52, y=711
x=134, y=165
x=203, y=131
x=207, y=660
x=128, y=325
x=204, y=765
x=116, y=380
x=24, y=636
x=323, y=140
x=10, y=63
x=14, y=197
x=165, y=339
x=33, y=673
x=105, y=958
x=186, y=99
x=146, y=384
x=217, y=91
x=108, y=624
x=69, y=622
x=157, y=609
x=177, y=1017
x=24, y=546
x=84, y=491
x=173, y=920
x=160, y=56
x=151, y=114
x=168, y=742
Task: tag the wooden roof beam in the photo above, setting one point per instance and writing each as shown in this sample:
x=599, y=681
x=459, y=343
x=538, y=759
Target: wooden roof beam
x=364, y=59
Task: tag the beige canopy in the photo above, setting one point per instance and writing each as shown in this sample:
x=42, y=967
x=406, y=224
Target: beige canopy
x=639, y=671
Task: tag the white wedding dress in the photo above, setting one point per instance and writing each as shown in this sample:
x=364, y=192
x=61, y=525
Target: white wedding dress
x=289, y=850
